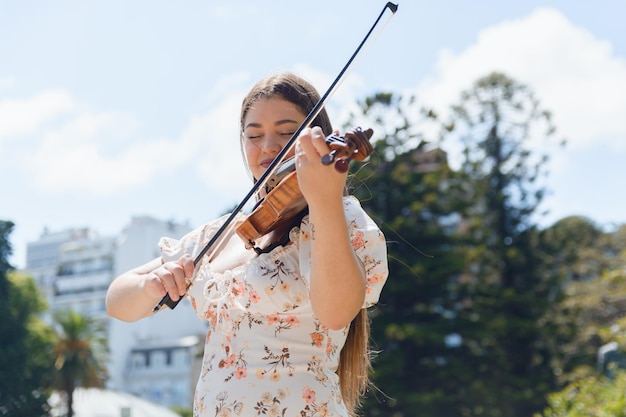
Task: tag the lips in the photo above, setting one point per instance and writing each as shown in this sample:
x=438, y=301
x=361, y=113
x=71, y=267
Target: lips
x=265, y=163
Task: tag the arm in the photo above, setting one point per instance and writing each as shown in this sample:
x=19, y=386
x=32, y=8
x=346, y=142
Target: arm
x=133, y=294
x=337, y=275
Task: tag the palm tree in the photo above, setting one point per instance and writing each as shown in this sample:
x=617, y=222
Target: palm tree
x=80, y=354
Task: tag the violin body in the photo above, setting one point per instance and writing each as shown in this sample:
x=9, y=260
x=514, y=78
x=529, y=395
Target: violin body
x=274, y=212
x=284, y=200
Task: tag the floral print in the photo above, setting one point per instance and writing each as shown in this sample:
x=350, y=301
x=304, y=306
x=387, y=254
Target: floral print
x=266, y=354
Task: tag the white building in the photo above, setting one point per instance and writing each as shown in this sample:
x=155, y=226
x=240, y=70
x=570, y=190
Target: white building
x=159, y=370
x=155, y=358
x=92, y=402
x=43, y=257
x=83, y=275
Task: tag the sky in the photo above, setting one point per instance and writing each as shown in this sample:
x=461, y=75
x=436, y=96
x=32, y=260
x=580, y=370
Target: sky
x=114, y=109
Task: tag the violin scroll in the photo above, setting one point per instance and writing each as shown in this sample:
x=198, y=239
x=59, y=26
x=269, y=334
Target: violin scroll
x=355, y=145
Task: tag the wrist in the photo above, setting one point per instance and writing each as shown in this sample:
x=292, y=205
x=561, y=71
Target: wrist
x=326, y=204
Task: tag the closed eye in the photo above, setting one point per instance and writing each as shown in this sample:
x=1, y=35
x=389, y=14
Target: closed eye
x=252, y=136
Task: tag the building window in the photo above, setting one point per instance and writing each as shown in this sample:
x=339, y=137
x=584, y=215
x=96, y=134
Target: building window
x=138, y=361
x=179, y=357
x=158, y=359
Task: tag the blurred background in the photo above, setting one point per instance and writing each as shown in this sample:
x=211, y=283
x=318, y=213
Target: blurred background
x=500, y=132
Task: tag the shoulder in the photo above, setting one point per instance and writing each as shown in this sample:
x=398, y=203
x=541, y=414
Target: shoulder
x=351, y=201
x=355, y=214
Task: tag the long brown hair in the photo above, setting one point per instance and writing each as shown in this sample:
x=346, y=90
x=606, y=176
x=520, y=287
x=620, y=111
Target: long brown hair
x=354, y=360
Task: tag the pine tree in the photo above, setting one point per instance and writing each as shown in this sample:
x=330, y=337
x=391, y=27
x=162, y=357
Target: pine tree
x=506, y=329
x=407, y=187
x=463, y=324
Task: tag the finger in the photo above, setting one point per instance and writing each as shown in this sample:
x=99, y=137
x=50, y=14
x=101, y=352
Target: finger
x=318, y=140
x=305, y=142
x=186, y=262
x=180, y=279
x=299, y=153
x=302, y=143
x=172, y=277
x=154, y=286
x=169, y=282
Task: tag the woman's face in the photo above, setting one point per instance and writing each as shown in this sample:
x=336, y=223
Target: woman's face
x=268, y=126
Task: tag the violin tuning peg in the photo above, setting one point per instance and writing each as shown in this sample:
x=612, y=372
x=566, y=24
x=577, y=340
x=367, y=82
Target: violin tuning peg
x=329, y=157
x=342, y=165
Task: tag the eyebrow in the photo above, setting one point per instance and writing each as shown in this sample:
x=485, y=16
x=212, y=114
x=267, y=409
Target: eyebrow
x=277, y=123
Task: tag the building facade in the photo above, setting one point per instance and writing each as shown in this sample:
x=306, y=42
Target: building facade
x=155, y=358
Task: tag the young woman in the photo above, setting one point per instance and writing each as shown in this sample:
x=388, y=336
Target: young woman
x=288, y=328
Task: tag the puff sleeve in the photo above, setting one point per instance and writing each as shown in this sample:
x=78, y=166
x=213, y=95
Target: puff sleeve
x=368, y=242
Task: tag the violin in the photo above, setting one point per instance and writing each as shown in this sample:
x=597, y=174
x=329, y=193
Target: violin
x=343, y=150
x=284, y=200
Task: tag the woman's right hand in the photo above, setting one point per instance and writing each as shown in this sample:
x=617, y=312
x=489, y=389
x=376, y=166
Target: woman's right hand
x=170, y=278
x=133, y=294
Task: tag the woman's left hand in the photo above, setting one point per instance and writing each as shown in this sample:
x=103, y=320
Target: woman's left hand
x=318, y=182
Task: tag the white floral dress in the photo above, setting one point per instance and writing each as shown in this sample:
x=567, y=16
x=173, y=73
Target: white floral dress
x=266, y=354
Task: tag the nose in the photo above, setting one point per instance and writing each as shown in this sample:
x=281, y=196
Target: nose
x=271, y=144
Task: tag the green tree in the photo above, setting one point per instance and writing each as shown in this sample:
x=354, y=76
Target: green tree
x=408, y=187
x=592, y=396
x=25, y=363
x=597, y=304
x=464, y=324
x=597, y=307
x=577, y=250
x=80, y=354
x=506, y=324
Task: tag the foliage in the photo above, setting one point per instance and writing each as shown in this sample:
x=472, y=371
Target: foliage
x=464, y=323
x=593, y=396
x=408, y=191
x=26, y=341
x=80, y=354
x=183, y=412
x=600, y=305
x=591, y=262
x=579, y=249
x=506, y=327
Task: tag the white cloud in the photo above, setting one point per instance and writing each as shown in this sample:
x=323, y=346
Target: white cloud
x=24, y=116
x=216, y=134
x=573, y=74
x=67, y=148
x=91, y=153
